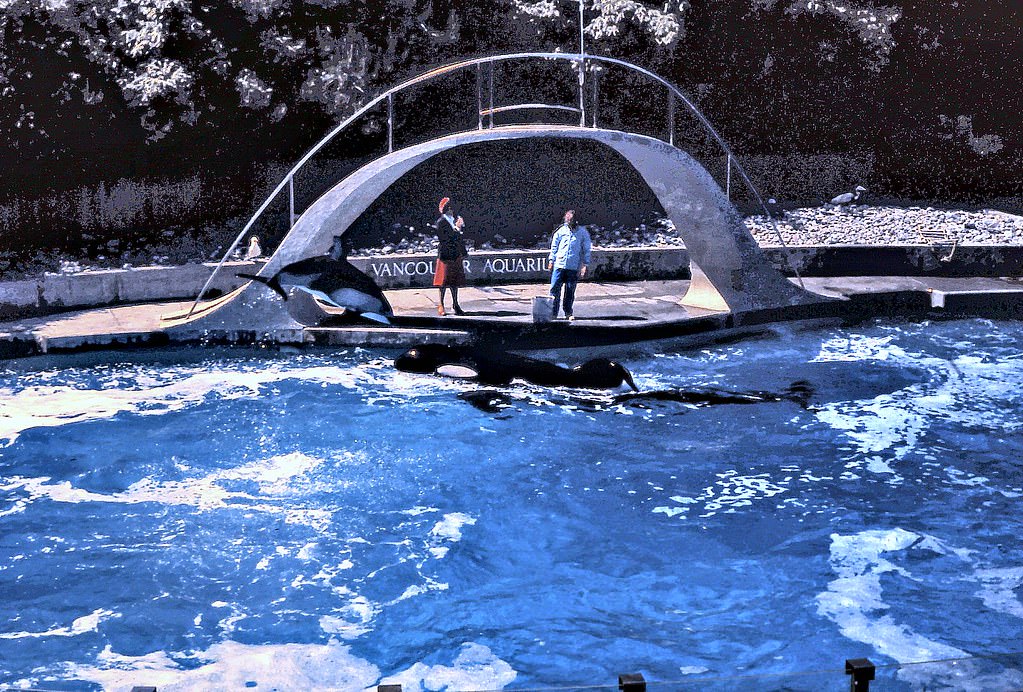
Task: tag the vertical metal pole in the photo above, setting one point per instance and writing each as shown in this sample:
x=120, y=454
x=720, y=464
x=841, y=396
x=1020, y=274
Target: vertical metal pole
x=593, y=105
x=479, y=96
x=582, y=93
x=582, y=45
x=728, y=178
x=671, y=118
x=291, y=200
x=582, y=69
x=390, y=123
x=491, y=94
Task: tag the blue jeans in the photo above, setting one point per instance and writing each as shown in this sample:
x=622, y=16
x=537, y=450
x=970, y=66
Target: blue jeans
x=567, y=278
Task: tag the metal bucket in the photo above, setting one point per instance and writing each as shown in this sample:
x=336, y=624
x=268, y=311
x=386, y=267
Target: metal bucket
x=543, y=308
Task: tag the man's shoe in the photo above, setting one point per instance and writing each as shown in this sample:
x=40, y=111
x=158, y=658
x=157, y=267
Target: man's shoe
x=458, y=310
x=571, y=318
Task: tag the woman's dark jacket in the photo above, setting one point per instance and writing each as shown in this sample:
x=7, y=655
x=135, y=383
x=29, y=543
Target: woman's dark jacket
x=450, y=245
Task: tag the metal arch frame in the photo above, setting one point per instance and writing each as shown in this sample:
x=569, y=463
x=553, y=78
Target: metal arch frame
x=529, y=107
x=443, y=70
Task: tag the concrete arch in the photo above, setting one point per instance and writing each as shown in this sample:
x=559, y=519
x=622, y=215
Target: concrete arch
x=729, y=272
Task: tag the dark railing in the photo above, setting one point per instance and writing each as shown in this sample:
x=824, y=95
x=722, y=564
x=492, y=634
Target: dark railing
x=1003, y=672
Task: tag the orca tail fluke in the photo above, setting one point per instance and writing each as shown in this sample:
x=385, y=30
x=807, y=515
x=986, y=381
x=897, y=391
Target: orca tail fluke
x=269, y=283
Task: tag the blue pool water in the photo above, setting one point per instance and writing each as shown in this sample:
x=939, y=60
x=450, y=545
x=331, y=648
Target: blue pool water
x=321, y=521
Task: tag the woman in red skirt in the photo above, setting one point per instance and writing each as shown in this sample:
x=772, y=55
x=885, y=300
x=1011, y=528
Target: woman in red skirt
x=451, y=254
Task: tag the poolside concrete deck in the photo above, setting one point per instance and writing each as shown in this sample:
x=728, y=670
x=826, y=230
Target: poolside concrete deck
x=607, y=313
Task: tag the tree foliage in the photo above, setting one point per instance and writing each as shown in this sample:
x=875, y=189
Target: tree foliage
x=96, y=90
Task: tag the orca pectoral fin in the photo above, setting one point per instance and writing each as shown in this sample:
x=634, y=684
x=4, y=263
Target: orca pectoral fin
x=376, y=317
x=320, y=296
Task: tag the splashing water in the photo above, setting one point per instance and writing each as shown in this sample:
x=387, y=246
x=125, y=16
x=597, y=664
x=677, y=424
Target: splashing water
x=323, y=521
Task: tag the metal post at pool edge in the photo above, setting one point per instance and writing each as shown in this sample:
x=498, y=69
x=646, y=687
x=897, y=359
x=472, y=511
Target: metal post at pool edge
x=861, y=671
x=631, y=682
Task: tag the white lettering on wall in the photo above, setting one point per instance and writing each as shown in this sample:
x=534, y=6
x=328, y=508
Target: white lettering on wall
x=410, y=268
x=491, y=265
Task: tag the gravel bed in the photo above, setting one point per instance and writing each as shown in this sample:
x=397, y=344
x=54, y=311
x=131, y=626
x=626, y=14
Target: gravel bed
x=827, y=225
x=879, y=225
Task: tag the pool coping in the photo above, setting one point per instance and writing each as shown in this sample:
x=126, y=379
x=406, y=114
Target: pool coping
x=652, y=316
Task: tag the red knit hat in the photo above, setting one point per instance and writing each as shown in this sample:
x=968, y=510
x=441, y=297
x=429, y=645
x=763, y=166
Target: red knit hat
x=443, y=203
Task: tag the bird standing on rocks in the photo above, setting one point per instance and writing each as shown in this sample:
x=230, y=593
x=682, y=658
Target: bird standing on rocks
x=253, y=250
x=849, y=197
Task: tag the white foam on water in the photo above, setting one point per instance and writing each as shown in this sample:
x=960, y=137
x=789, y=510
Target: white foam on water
x=328, y=667
x=999, y=587
x=854, y=601
x=450, y=527
x=731, y=493
x=857, y=347
x=693, y=670
x=414, y=590
x=229, y=665
x=346, y=629
x=475, y=668
x=970, y=390
x=276, y=477
x=163, y=389
x=86, y=623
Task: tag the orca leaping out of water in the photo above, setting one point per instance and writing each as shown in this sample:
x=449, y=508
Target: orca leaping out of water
x=499, y=368
x=333, y=280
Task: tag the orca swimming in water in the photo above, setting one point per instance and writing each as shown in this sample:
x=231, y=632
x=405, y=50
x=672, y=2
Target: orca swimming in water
x=333, y=280
x=499, y=368
x=798, y=392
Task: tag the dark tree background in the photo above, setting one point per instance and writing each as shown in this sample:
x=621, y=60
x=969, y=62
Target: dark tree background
x=169, y=120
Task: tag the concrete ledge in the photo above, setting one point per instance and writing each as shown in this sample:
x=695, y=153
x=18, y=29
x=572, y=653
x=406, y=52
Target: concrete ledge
x=991, y=303
x=385, y=336
x=54, y=293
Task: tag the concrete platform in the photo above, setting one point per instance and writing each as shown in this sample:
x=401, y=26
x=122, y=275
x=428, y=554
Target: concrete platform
x=607, y=314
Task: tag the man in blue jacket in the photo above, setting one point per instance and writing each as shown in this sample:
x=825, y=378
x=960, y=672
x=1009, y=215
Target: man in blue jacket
x=570, y=255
